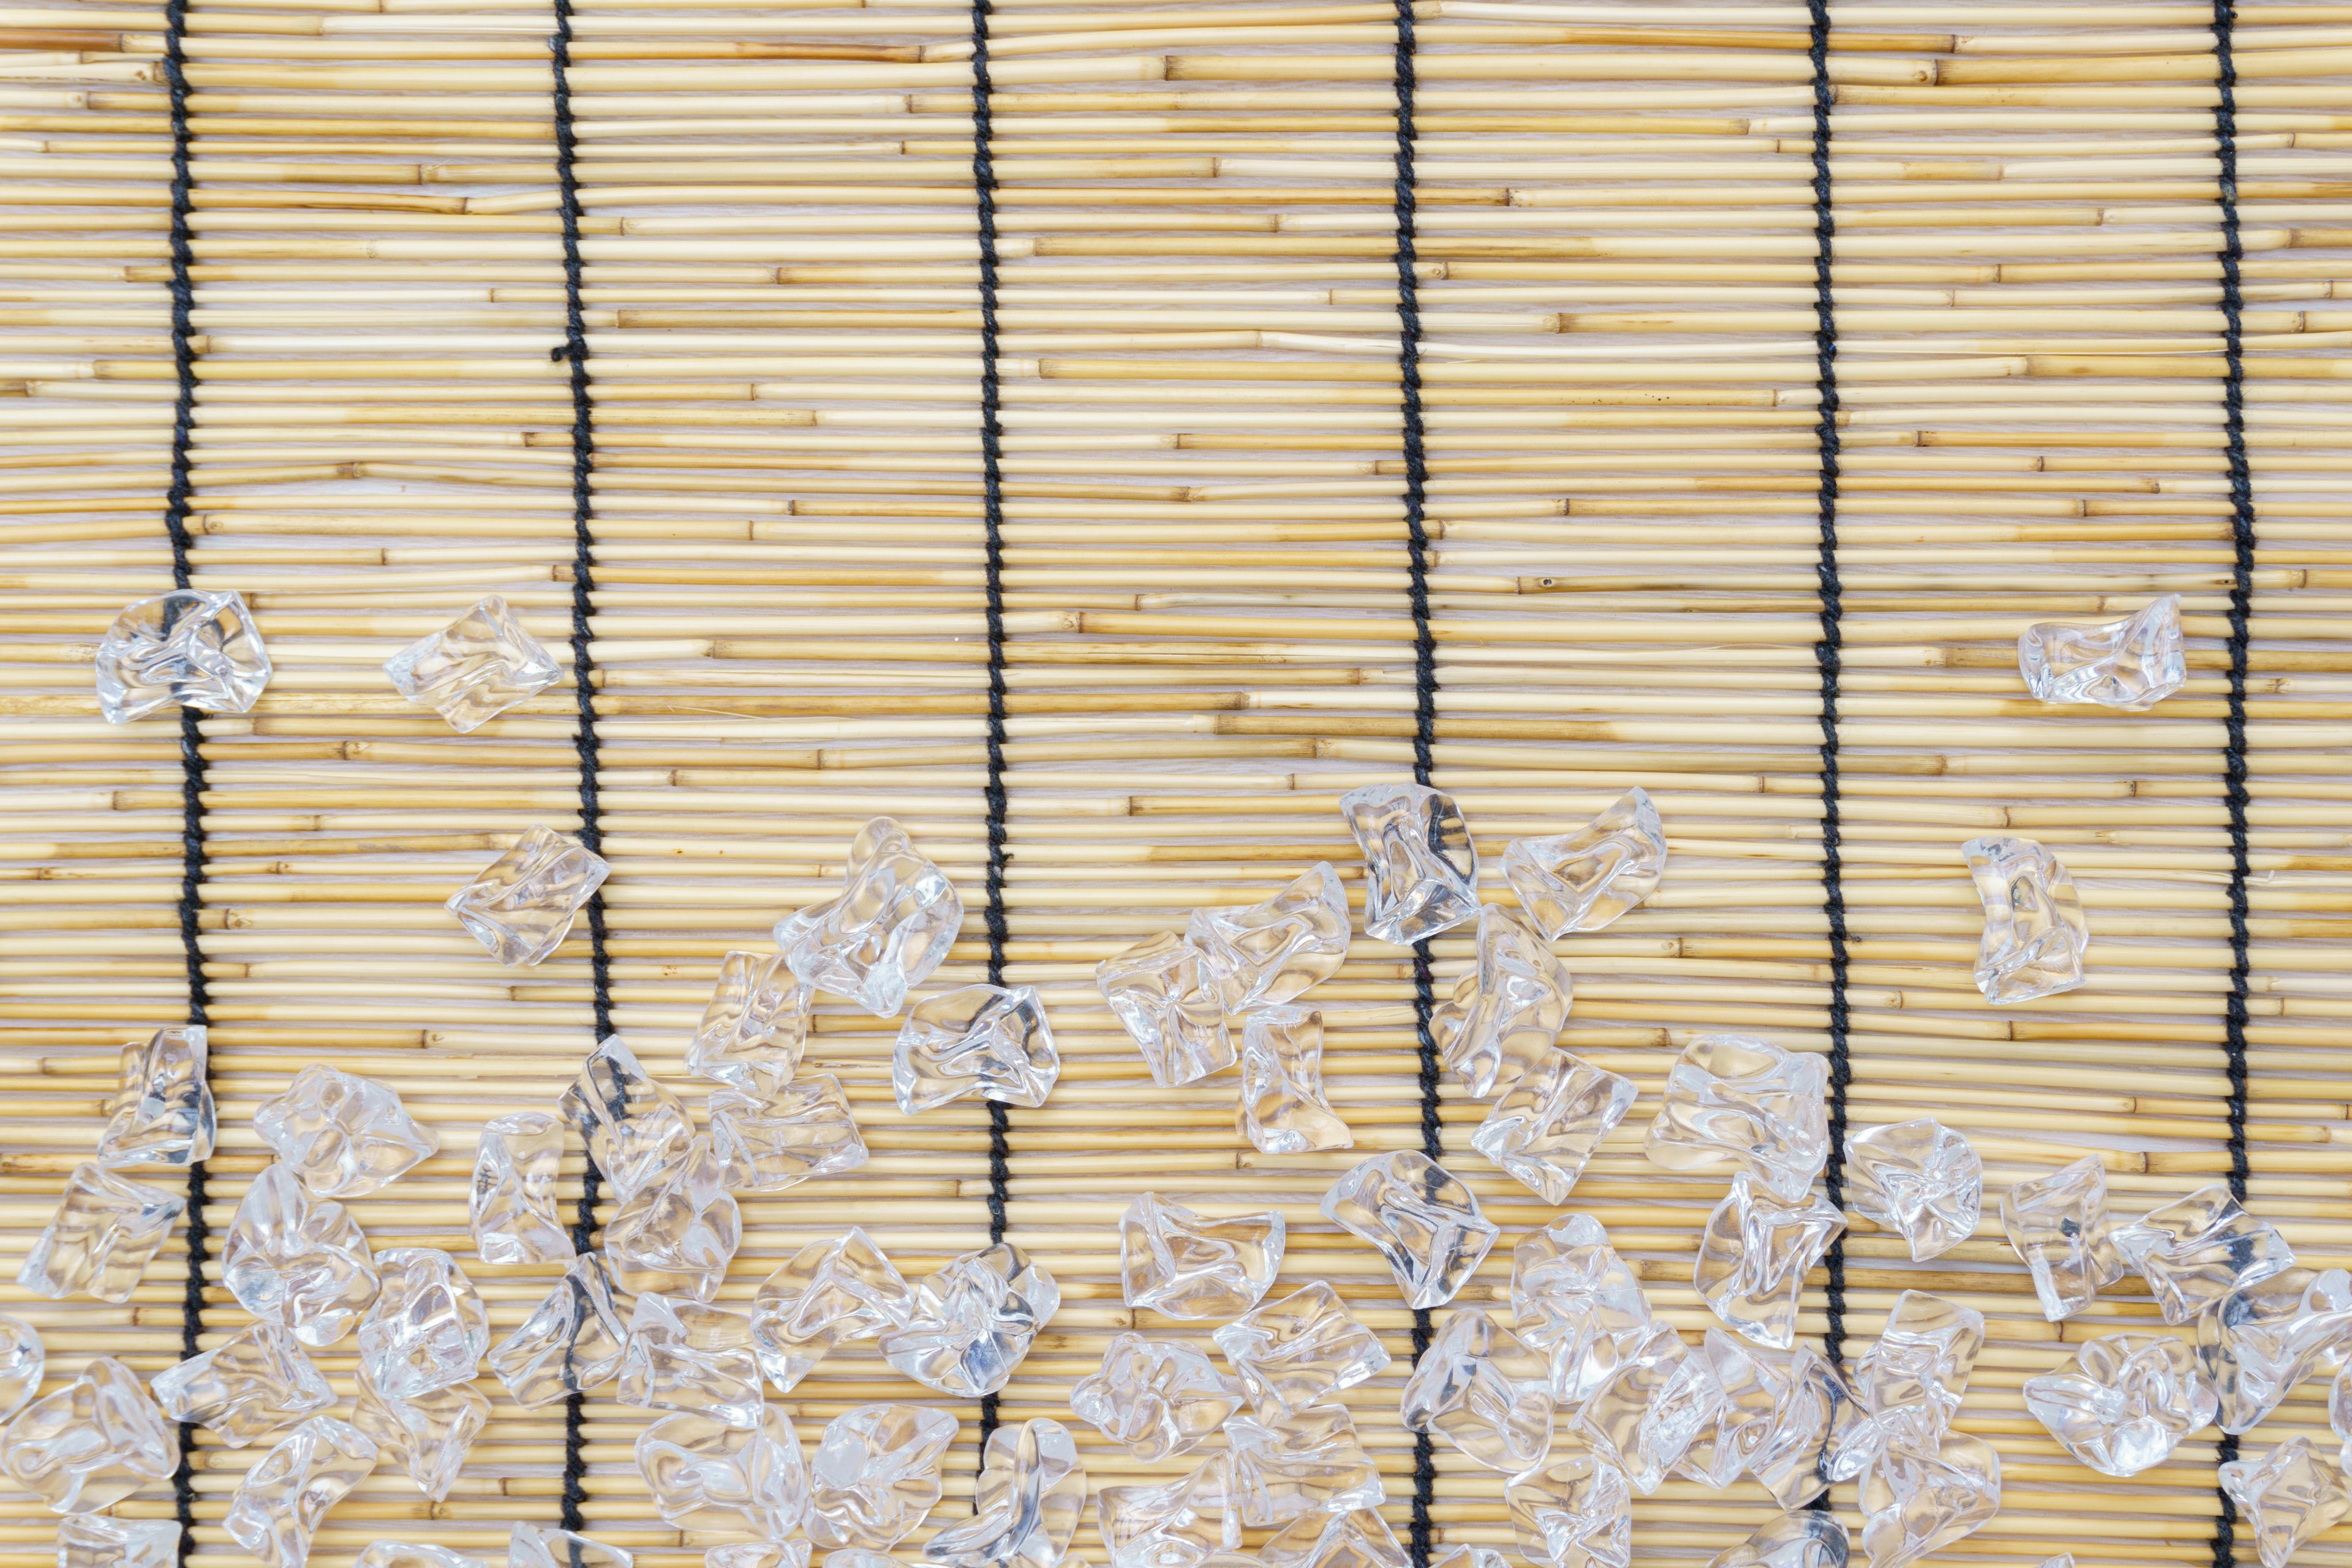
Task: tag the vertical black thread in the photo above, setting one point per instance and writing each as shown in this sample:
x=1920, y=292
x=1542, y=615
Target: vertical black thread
x=1827, y=657
x=2242, y=597
x=1424, y=667
x=176, y=499
x=992, y=482
x=573, y=351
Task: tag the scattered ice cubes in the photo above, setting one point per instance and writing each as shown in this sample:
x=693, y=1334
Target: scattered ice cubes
x=827, y=1292
x=1544, y=1129
x=1159, y=1397
x=1914, y=1504
x=1573, y=1513
x=1753, y=1255
x=1729, y=1097
x=97, y=1540
x=804, y=1130
x=296, y=1260
x=91, y=1444
x=1027, y=1505
x=1647, y=1412
x=755, y=1026
x=187, y=646
x=428, y=1328
x=2034, y=934
x=162, y=1112
x=676, y=1234
x=522, y=906
x=476, y=668
x=883, y=932
x=2060, y=1227
x=1918, y=1179
x=253, y=1383
x=1301, y=1349
x=106, y=1230
x=1171, y=997
x=22, y=1361
x=2286, y=1497
x=278, y=1505
x=1420, y=869
x=2262, y=1340
x=1585, y=879
x=2132, y=664
x=704, y=1473
x=1806, y=1540
x=511, y=1207
x=1485, y=1390
x=635, y=1128
x=1181, y=1266
x=1180, y=1524
x=427, y=1435
x=1573, y=1296
x=1281, y=1108
x=2196, y=1250
x=682, y=1355
x=1268, y=953
x=2124, y=1402
x=1422, y=1219
x=987, y=1040
x=343, y=1134
x=1307, y=1461
x=973, y=1321
x=1505, y=1009
x=875, y=1474
x=571, y=1343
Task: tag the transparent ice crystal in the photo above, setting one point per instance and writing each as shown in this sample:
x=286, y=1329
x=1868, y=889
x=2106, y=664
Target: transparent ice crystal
x=677, y=1233
x=635, y=1128
x=106, y=1230
x=2059, y=1226
x=1910, y=1382
x=91, y=1444
x=187, y=646
x=1183, y=1266
x=1729, y=1097
x=426, y=1328
x=1807, y=1540
x=511, y=1207
x=883, y=932
x=571, y=1343
x=1159, y=1397
x=876, y=1474
x=1505, y=1009
x=1573, y=1513
x=1027, y=1505
x=1918, y=1179
x=1485, y=1390
x=255, y=1382
x=1586, y=879
x=1170, y=996
x=1421, y=1217
x=755, y=1025
x=96, y=1540
x=2262, y=1340
x=2034, y=934
x=1281, y=1108
x=476, y=668
x=2124, y=1403
x=279, y=1504
x=1914, y=1504
x=343, y=1134
x=162, y=1112
x=1647, y=1412
x=1268, y=953
x=1573, y=1296
x=1301, y=1349
x=682, y=1355
x=1357, y=1539
x=427, y=1435
x=22, y=1361
x=824, y=1294
x=2132, y=664
x=1181, y=1524
x=973, y=1321
x=1307, y=1461
x=1420, y=869
x=805, y=1130
x=522, y=906
x=1544, y=1129
x=1753, y=1255
x=987, y=1040
x=298, y=1261
x=704, y=1473
x=2286, y=1496
x=2198, y=1249
x=544, y=1546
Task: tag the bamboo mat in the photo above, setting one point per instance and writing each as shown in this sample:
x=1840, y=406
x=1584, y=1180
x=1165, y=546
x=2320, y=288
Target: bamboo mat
x=1209, y=627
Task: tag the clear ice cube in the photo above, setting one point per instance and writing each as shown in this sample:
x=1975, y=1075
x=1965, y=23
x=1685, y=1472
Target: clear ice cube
x=163, y=1111
x=1918, y=1179
x=1647, y=1412
x=1573, y=1296
x=427, y=1435
x=522, y=906
x=1813, y=1425
x=22, y=1361
x=1586, y=879
x=412, y=1554
x=1505, y=1009
x=1808, y=1540
x=1159, y=1397
x=253, y=1383
x=297, y=1259
x=571, y=1343
x=1754, y=1254
x=2124, y=1402
x=2196, y=1250
x=106, y=1230
x=1181, y=1266
x=511, y=1205
x=91, y=1444
x=1301, y=1349
x=1357, y=1539
x=96, y=1540
x=1027, y=1505
x=987, y=1040
x=1544, y=1129
x=1914, y=1504
x=827, y=1292
x=2258, y=1342
x=2132, y=664
x=1910, y=1383
x=2059, y=1226
x=875, y=1474
x=1307, y=1461
x=705, y=1474
x=279, y=1506
x=1573, y=1513
x=544, y=1546
x=1421, y=1217
x=1281, y=1108
x=2285, y=1497
x=805, y=1130
x=2034, y=934
x=1181, y=1523
x=883, y=932
x=428, y=1328
x=1485, y=1390
x=1420, y=869
x=1268, y=953
x=635, y=1128
x=755, y=1026
x=1171, y=997
x=973, y=1320
x=677, y=1233
x=343, y=1134
x=682, y=1355
x=1729, y=1097
x=476, y=668
x=187, y=646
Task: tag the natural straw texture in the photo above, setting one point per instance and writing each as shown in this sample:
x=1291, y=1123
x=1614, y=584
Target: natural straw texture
x=1722, y=390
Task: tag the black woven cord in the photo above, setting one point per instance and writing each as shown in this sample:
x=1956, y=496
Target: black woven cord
x=176, y=499
x=1424, y=668
x=2242, y=598
x=991, y=508
x=1827, y=656
x=573, y=351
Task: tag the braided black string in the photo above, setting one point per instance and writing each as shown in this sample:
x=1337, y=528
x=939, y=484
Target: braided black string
x=1827, y=657
x=573, y=351
x=176, y=499
x=992, y=481
x=2241, y=595
x=1425, y=669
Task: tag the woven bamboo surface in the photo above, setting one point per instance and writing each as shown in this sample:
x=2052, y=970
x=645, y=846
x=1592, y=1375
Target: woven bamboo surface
x=1209, y=634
